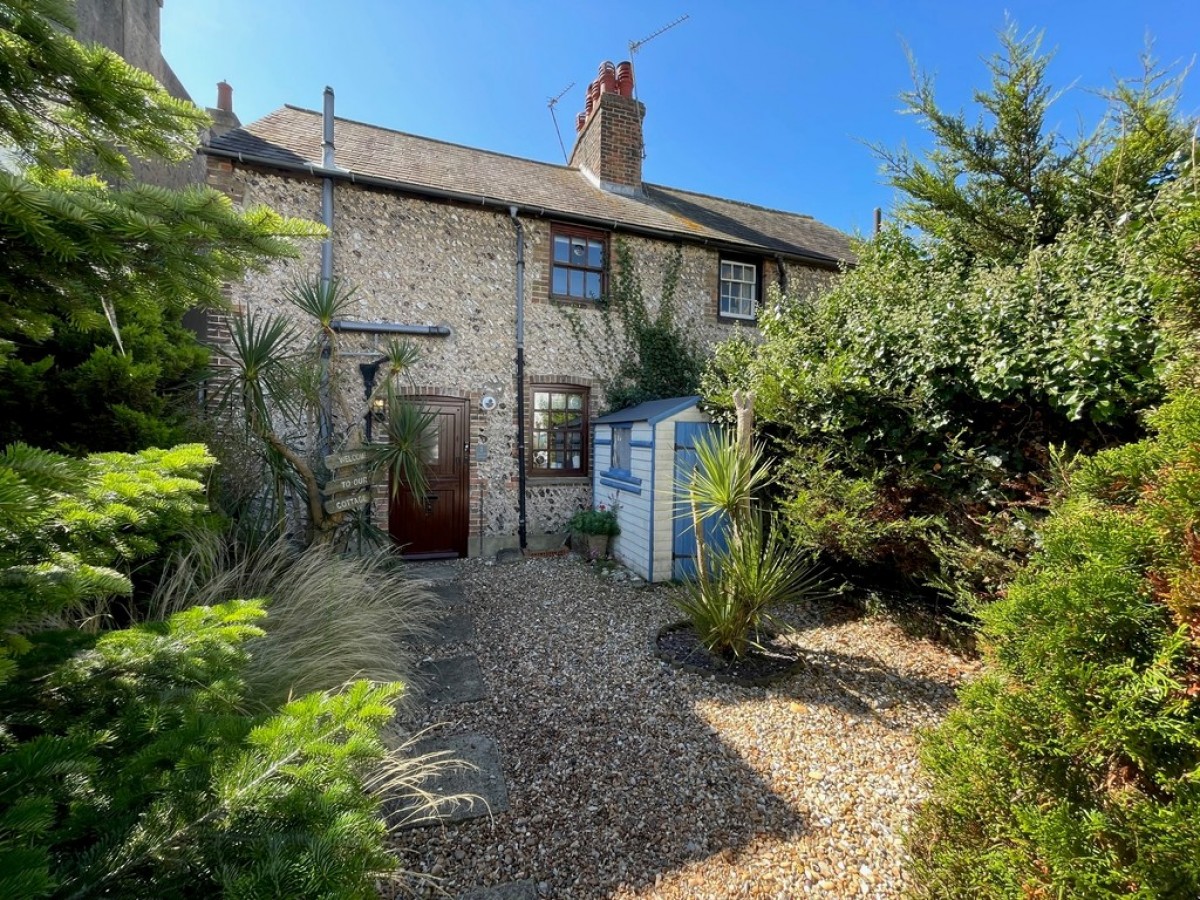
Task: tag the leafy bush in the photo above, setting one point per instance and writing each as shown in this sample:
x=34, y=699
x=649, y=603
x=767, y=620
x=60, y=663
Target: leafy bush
x=1073, y=767
x=599, y=520
x=131, y=769
x=917, y=406
x=922, y=397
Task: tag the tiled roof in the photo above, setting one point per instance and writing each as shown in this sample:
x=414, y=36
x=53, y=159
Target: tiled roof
x=291, y=137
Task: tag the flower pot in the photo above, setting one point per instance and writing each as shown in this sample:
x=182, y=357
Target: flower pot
x=590, y=546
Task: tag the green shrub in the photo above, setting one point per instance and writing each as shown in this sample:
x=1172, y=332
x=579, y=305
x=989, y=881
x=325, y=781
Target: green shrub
x=599, y=520
x=75, y=533
x=1073, y=767
x=1016, y=305
x=130, y=769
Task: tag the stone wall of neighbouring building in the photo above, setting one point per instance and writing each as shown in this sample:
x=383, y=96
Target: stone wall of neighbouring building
x=132, y=29
x=422, y=262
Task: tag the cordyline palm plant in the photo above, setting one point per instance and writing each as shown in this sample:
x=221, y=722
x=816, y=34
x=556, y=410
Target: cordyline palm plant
x=275, y=380
x=740, y=579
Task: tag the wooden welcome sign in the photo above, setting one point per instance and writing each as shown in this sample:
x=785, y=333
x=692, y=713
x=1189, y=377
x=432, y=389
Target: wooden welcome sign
x=351, y=486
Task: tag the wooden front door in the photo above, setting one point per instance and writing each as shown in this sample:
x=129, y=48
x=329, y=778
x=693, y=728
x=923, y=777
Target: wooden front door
x=436, y=527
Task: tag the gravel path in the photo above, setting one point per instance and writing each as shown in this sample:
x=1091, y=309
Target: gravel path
x=627, y=779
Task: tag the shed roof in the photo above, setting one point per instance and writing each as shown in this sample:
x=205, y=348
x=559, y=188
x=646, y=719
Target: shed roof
x=652, y=411
x=290, y=138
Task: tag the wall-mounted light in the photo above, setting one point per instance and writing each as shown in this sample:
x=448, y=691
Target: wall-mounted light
x=487, y=403
x=369, y=372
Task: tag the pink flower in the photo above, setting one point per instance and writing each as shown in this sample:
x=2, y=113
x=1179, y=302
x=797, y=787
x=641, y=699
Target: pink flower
x=602, y=507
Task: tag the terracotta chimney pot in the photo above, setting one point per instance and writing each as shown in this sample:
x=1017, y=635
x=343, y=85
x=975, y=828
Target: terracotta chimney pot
x=625, y=79
x=225, y=96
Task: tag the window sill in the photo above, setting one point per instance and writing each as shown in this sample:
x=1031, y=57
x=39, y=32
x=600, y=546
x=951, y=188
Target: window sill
x=737, y=320
x=621, y=480
x=559, y=480
x=577, y=302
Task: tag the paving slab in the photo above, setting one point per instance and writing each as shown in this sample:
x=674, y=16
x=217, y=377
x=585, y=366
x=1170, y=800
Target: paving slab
x=514, y=890
x=432, y=571
x=484, y=780
x=457, y=679
x=455, y=627
x=448, y=593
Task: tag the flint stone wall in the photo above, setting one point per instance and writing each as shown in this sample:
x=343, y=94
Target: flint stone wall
x=429, y=263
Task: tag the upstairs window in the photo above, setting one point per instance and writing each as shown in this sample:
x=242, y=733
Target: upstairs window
x=579, y=258
x=739, y=289
x=559, y=435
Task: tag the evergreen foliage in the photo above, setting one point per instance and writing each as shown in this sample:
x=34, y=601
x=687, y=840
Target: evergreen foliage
x=74, y=533
x=1073, y=767
x=921, y=406
x=213, y=752
x=94, y=279
x=995, y=188
x=130, y=769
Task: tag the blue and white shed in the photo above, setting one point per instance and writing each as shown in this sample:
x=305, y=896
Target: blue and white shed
x=637, y=454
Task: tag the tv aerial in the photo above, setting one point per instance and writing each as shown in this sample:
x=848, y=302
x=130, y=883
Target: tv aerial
x=634, y=46
x=551, y=103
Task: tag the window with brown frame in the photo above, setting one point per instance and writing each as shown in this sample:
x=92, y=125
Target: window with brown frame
x=559, y=432
x=579, y=258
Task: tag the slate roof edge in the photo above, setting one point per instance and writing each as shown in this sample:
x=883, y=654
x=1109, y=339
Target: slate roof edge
x=635, y=414
x=316, y=171
x=421, y=137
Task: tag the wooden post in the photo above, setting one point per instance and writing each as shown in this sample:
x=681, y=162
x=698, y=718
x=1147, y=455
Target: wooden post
x=743, y=405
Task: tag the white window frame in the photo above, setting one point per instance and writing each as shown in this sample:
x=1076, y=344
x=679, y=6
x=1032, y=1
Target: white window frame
x=622, y=437
x=724, y=279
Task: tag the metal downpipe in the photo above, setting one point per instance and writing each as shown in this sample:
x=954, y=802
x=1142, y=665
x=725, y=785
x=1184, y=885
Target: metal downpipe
x=325, y=423
x=521, y=449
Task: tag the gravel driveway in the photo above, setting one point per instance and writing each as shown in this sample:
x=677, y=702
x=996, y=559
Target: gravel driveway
x=627, y=779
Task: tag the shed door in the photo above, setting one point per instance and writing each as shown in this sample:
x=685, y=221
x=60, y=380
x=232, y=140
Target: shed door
x=683, y=543
x=436, y=527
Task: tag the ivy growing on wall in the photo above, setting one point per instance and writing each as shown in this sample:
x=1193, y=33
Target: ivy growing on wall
x=656, y=354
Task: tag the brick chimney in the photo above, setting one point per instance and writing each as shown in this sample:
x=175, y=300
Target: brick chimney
x=608, y=146
x=223, y=116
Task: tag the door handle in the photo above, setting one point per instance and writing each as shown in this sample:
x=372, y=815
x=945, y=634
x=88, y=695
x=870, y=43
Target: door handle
x=429, y=498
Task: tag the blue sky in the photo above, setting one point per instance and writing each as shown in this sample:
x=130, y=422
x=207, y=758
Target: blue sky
x=766, y=102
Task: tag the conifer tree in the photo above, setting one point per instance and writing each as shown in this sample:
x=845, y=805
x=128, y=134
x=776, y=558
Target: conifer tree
x=94, y=277
x=999, y=186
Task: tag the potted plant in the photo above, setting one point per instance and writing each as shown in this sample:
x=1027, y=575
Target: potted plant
x=592, y=528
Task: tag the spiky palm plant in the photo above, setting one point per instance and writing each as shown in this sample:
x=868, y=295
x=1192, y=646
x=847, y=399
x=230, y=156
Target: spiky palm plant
x=754, y=569
x=410, y=436
x=324, y=302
